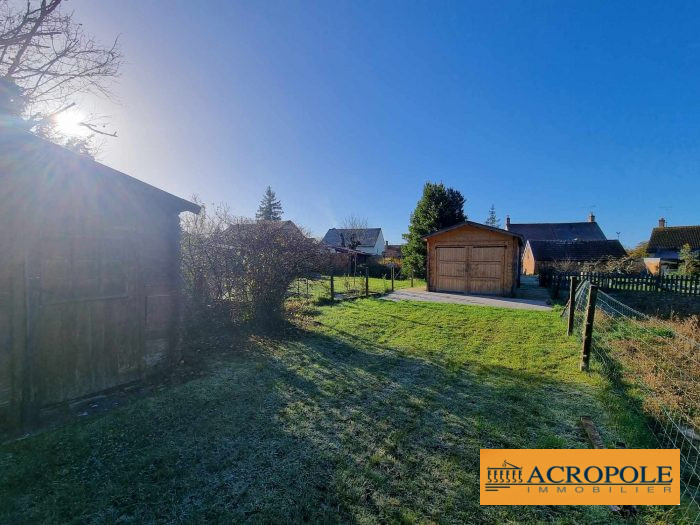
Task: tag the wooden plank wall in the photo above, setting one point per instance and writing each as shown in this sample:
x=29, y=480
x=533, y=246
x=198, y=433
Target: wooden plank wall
x=474, y=236
x=101, y=304
x=5, y=322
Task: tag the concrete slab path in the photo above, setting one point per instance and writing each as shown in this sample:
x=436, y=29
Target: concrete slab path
x=418, y=294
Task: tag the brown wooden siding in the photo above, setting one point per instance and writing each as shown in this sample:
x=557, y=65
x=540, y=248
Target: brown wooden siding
x=473, y=260
x=89, y=289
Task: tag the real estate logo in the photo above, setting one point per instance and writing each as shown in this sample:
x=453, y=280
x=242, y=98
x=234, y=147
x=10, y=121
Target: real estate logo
x=580, y=477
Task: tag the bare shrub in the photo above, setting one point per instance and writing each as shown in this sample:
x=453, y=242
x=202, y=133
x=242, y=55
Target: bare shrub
x=622, y=265
x=240, y=270
x=663, y=356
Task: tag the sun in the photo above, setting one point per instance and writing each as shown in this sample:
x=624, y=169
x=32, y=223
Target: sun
x=69, y=123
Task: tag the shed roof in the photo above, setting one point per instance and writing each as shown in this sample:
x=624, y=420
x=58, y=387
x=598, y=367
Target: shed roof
x=673, y=238
x=342, y=236
x=559, y=231
x=475, y=225
x=548, y=250
x=27, y=155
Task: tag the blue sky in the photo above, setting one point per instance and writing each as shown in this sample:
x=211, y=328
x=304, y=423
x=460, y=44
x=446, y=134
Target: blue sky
x=544, y=109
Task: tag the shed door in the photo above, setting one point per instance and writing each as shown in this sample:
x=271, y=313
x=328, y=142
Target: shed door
x=452, y=269
x=486, y=269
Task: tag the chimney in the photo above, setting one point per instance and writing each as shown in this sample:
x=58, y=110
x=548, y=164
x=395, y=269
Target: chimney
x=662, y=222
x=591, y=217
x=507, y=221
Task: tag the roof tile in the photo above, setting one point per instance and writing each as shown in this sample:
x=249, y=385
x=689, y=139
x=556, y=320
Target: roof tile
x=547, y=250
x=559, y=231
x=673, y=238
x=367, y=236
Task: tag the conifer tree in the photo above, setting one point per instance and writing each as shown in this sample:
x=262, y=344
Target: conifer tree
x=491, y=219
x=270, y=208
x=438, y=208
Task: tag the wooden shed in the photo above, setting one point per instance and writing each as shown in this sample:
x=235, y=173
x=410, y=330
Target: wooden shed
x=473, y=258
x=89, y=276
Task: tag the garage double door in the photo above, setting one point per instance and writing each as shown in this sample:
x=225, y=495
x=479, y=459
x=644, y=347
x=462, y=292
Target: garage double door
x=470, y=269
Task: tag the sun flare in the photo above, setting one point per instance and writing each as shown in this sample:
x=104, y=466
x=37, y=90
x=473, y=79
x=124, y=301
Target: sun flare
x=69, y=122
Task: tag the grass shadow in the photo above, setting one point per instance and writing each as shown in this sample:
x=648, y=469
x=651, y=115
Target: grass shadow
x=330, y=426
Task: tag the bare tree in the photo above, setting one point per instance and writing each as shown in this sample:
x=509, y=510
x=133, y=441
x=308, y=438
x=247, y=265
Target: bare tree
x=240, y=269
x=354, y=227
x=604, y=265
x=46, y=59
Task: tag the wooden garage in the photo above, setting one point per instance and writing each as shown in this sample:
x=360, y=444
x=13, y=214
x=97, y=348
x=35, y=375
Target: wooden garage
x=473, y=258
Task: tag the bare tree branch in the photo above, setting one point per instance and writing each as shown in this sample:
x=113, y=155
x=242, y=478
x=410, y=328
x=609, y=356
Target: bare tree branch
x=47, y=55
x=92, y=128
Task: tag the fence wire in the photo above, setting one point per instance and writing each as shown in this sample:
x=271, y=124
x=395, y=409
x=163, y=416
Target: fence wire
x=345, y=286
x=658, y=371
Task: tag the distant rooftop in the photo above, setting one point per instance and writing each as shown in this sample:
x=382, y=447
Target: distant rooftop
x=558, y=231
x=343, y=236
x=673, y=238
x=548, y=250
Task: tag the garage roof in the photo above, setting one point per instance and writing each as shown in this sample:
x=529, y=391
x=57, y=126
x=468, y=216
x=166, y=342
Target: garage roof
x=475, y=225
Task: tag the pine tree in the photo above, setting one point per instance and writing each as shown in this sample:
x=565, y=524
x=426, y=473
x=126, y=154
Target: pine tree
x=439, y=207
x=270, y=208
x=491, y=219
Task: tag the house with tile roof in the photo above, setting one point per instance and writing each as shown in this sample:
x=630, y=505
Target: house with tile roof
x=558, y=231
x=539, y=254
x=665, y=244
x=549, y=242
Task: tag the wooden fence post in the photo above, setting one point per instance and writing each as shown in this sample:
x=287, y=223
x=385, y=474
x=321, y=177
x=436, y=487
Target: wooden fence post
x=573, y=283
x=332, y=286
x=556, y=279
x=392, y=277
x=588, y=327
x=411, y=277
x=366, y=281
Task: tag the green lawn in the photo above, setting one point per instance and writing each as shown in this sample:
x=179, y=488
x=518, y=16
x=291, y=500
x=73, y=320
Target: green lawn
x=319, y=289
x=374, y=415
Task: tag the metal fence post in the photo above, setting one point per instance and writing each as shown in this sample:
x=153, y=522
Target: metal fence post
x=332, y=286
x=573, y=283
x=588, y=327
x=366, y=281
x=392, y=277
x=411, y=277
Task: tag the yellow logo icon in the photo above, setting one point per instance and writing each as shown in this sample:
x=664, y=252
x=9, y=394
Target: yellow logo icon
x=580, y=477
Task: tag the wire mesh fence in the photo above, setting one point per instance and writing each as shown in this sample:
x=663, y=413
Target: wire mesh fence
x=322, y=288
x=311, y=289
x=657, y=368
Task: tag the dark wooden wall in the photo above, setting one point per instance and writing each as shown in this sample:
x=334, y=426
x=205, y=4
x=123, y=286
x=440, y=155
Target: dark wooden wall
x=5, y=321
x=89, y=288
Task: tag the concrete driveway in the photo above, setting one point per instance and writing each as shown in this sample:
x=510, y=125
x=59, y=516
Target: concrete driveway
x=418, y=294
